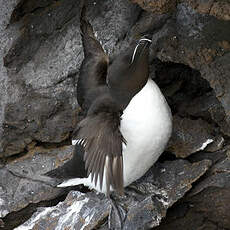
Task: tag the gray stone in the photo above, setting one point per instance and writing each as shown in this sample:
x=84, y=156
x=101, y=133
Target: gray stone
x=215, y=157
x=143, y=206
x=201, y=42
x=207, y=205
x=22, y=183
x=208, y=210
x=218, y=176
x=158, y=6
x=207, y=107
x=6, y=39
x=219, y=8
x=189, y=136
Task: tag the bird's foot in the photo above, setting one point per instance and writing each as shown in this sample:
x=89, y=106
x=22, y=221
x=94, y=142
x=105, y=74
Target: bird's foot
x=116, y=216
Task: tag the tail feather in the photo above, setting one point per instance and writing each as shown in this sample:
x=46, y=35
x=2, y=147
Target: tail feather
x=71, y=169
x=72, y=182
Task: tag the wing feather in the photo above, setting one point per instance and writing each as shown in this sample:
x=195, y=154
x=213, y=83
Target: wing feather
x=103, y=148
x=93, y=71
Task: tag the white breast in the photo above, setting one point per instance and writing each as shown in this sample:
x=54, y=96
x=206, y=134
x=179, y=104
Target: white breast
x=146, y=126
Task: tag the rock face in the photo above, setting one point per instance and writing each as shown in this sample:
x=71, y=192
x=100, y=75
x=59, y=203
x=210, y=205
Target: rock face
x=41, y=53
x=202, y=42
x=206, y=203
x=162, y=186
x=20, y=183
x=158, y=7
x=219, y=9
x=189, y=136
x=206, y=107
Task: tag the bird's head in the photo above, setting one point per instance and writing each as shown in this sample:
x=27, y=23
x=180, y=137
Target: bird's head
x=129, y=71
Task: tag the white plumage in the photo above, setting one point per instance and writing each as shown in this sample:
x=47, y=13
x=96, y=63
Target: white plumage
x=146, y=126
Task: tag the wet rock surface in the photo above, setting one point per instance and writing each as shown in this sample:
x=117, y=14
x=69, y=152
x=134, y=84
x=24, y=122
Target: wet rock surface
x=161, y=187
x=41, y=53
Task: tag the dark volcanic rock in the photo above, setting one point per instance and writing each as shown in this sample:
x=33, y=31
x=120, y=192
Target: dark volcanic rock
x=208, y=210
x=158, y=6
x=189, y=136
x=219, y=8
x=213, y=156
x=201, y=42
x=39, y=79
x=39, y=22
x=144, y=205
x=207, y=107
x=207, y=205
x=218, y=176
x=21, y=183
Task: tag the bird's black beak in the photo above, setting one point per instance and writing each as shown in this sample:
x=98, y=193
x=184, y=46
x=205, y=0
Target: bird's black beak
x=144, y=41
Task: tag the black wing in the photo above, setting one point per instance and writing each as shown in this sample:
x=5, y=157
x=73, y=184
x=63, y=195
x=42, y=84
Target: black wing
x=93, y=71
x=100, y=131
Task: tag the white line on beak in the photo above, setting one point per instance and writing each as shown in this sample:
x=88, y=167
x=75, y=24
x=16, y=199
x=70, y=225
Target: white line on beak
x=135, y=50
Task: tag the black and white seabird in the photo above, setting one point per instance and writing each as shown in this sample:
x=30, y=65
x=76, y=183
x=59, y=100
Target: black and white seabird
x=127, y=120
